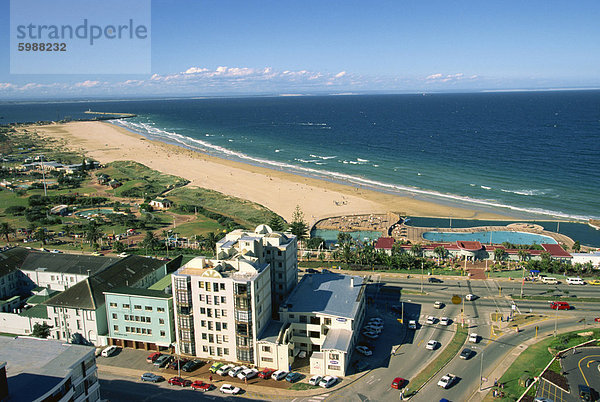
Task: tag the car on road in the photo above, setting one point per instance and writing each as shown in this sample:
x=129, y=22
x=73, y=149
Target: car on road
x=364, y=350
x=192, y=365
x=109, y=351
x=412, y=324
x=594, y=282
x=215, y=366
x=293, y=377
x=398, y=383
x=470, y=297
x=152, y=377
x=247, y=374
x=473, y=338
x=376, y=321
x=266, y=373
x=179, y=381
x=585, y=393
x=434, y=280
x=224, y=369
x=432, y=345
x=550, y=280
x=542, y=399
x=561, y=305
x=438, y=305
x=162, y=361
x=371, y=334
x=152, y=358
x=315, y=380
x=236, y=370
x=372, y=328
x=328, y=381
x=229, y=389
x=445, y=321
x=466, y=354
x=201, y=386
x=279, y=375
x=575, y=281
x=431, y=319
x=447, y=380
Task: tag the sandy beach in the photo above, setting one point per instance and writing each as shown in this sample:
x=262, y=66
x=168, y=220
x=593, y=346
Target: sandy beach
x=276, y=190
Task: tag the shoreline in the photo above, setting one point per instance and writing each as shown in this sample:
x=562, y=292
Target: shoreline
x=277, y=190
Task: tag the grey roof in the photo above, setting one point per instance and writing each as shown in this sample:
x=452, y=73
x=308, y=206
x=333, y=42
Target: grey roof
x=38, y=311
x=271, y=332
x=250, y=238
x=89, y=293
x=326, y=293
x=337, y=339
x=228, y=244
x=44, y=363
x=11, y=260
x=157, y=294
x=66, y=263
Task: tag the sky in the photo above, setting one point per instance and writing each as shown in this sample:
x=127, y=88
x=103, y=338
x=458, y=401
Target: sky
x=229, y=47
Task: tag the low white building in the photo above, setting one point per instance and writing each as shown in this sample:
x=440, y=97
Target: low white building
x=585, y=258
x=33, y=369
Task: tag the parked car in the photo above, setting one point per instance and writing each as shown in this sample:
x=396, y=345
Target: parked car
x=215, y=366
x=328, y=381
x=412, y=324
x=438, y=305
x=432, y=344
x=224, y=369
x=473, y=338
x=371, y=328
x=470, y=297
x=561, y=305
x=466, y=353
x=371, y=334
x=236, y=370
x=175, y=363
x=247, y=374
x=376, y=321
x=279, y=375
x=162, y=361
x=109, y=351
x=201, y=386
x=266, y=373
x=585, y=393
x=398, y=382
x=229, y=389
x=445, y=321
x=315, y=380
x=192, y=365
x=434, y=280
x=179, y=381
x=152, y=358
x=152, y=377
x=364, y=350
x=431, y=319
x=293, y=377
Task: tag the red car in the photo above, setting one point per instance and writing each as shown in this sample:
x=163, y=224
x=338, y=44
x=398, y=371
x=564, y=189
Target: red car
x=152, y=358
x=201, y=386
x=179, y=381
x=266, y=373
x=597, y=319
x=398, y=382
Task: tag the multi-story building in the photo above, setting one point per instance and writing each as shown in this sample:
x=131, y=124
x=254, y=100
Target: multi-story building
x=264, y=246
x=221, y=306
x=140, y=318
x=320, y=321
x=47, y=370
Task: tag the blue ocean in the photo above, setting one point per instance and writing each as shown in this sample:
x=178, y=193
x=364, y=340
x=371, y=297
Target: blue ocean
x=522, y=152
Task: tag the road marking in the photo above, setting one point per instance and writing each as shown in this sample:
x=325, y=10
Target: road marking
x=591, y=361
x=579, y=365
x=420, y=342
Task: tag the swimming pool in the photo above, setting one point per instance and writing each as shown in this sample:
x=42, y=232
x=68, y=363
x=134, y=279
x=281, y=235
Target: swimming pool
x=497, y=237
x=92, y=212
x=330, y=235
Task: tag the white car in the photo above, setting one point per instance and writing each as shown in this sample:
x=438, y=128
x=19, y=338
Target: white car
x=279, y=375
x=224, y=369
x=447, y=381
x=371, y=334
x=412, y=324
x=328, y=381
x=364, y=350
x=109, y=351
x=438, y=305
x=432, y=344
x=445, y=321
x=247, y=374
x=575, y=281
x=229, y=389
x=473, y=338
x=431, y=319
x=470, y=297
x=315, y=380
x=236, y=370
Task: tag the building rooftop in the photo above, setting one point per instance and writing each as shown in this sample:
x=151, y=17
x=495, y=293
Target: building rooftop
x=469, y=245
x=337, y=339
x=66, y=263
x=271, y=332
x=556, y=250
x=385, y=243
x=39, y=362
x=12, y=259
x=326, y=293
x=157, y=294
x=162, y=283
x=39, y=311
x=89, y=293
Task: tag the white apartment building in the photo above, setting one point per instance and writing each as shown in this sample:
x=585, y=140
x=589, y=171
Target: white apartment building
x=35, y=369
x=321, y=320
x=221, y=306
x=279, y=250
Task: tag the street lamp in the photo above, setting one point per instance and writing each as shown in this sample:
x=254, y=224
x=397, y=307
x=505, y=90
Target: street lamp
x=480, y=367
x=421, y=276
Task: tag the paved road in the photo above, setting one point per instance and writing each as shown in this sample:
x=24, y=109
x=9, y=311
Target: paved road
x=583, y=368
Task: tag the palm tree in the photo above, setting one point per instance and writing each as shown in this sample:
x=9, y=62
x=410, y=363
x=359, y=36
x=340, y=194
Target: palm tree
x=500, y=254
x=416, y=250
x=93, y=233
x=440, y=251
x=523, y=255
x=211, y=242
x=6, y=229
x=40, y=234
x=149, y=242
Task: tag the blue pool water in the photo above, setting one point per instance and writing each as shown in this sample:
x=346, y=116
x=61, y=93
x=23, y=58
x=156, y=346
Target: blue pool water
x=496, y=237
x=330, y=236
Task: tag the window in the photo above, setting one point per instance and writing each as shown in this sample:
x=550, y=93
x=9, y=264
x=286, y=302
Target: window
x=217, y=313
x=210, y=325
x=225, y=351
x=226, y=339
x=161, y=321
x=207, y=286
x=302, y=318
x=160, y=309
x=266, y=359
x=148, y=308
x=116, y=328
x=218, y=326
x=204, y=336
x=208, y=300
x=212, y=350
x=209, y=312
x=201, y=285
x=205, y=349
x=224, y=325
x=203, y=323
x=202, y=310
x=279, y=253
x=114, y=316
x=149, y=331
x=148, y=319
x=215, y=287
x=223, y=299
x=266, y=349
x=334, y=356
x=113, y=304
x=211, y=338
x=222, y=285
x=144, y=331
x=126, y=306
x=201, y=297
x=162, y=334
x=315, y=320
x=327, y=321
x=216, y=300
x=137, y=307
x=223, y=313
x=314, y=334
x=219, y=339
x=279, y=265
x=292, y=316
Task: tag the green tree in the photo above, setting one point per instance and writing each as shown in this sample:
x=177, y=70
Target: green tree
x=298, y=227
x=5, y=230
x=93, y=233
x=440, y=251
x=416, y=250
x=576, y=246
x=276, y=223
x=119, y=247
x=40, y=235
x=211, y=242
x=500, y=254
x=41, y=330
x=150, y=242
x=343, y=238
x=523, y=255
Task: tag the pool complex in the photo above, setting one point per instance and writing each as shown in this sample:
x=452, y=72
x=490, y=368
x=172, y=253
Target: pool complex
x=92, y=212
x=497, y=237
x=330, y=235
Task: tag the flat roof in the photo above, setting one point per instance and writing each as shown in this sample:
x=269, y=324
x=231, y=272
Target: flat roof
x=162, y=283
x=337, y=339
x=157, y=294
x=43, y=362
x=66, y=263
x=326, y=293
x=271, y=332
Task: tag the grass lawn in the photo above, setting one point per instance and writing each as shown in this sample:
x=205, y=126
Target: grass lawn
x=139, y=180
x=301, y=386
x=518, y=274
x=443, y=358
x=202, y=226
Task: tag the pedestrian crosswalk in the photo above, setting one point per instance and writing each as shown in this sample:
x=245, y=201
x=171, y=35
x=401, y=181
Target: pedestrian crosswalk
x=318, y=398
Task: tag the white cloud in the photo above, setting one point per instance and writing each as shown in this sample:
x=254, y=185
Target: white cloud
x=6, y=85
x=87, y=84
x=340, y=74
x=439, y=77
